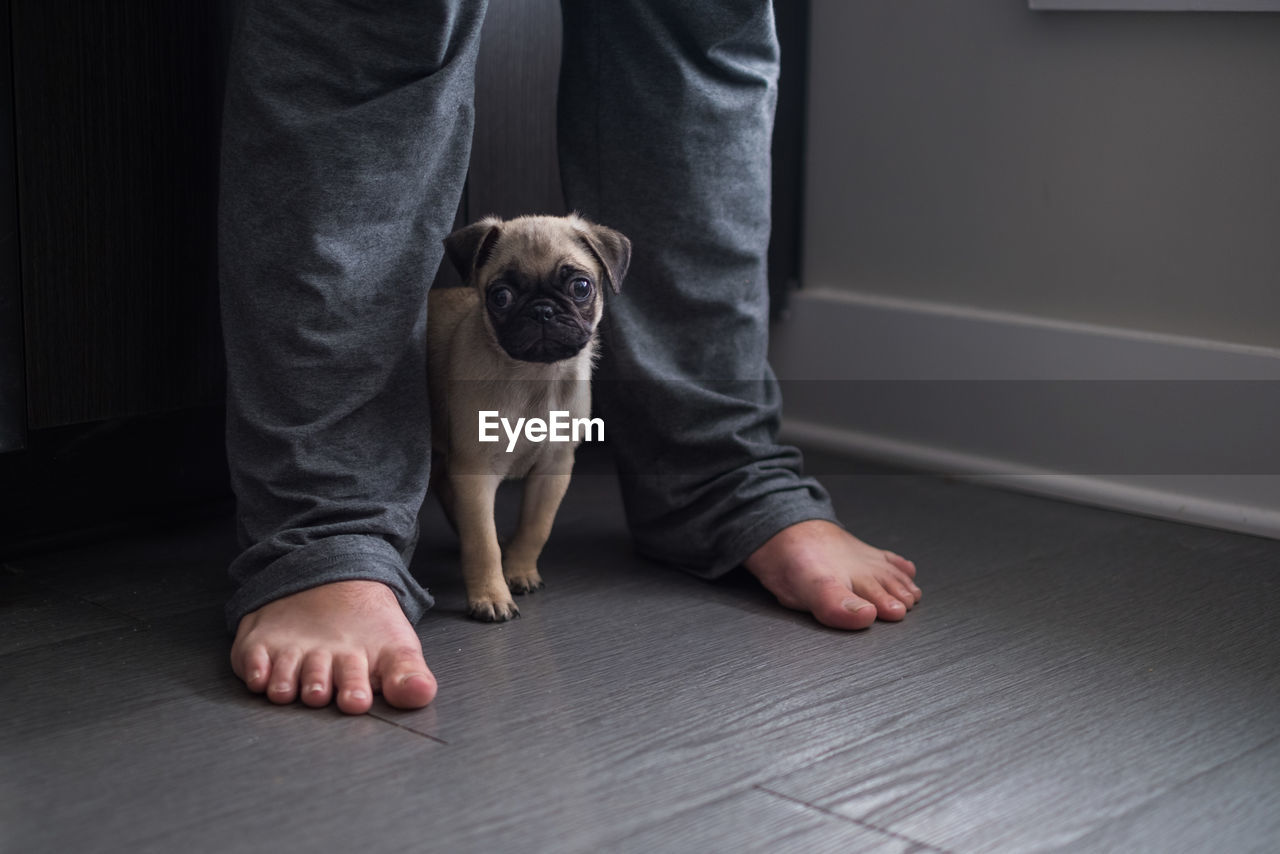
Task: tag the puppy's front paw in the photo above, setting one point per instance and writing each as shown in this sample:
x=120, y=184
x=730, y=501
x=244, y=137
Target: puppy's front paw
x=522, y=578
x=493, y=609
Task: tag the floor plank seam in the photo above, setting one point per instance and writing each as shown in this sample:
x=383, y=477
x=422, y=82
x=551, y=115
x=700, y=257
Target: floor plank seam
x=71, y=595
x=693, y=806
x=919, y=846
x=133, y=624
x=140, y=624
x=416, y=732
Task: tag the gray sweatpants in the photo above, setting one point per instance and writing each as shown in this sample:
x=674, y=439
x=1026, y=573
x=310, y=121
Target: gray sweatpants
x=346, y=142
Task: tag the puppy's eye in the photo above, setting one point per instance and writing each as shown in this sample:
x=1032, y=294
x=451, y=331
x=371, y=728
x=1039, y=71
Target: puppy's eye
x=580, y=289
x=500, y=297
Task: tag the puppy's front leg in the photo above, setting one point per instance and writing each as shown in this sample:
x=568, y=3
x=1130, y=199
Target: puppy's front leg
x=487, y=595
x=544, y=488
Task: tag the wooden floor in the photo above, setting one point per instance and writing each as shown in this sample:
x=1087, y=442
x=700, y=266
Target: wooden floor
x=1074, y=679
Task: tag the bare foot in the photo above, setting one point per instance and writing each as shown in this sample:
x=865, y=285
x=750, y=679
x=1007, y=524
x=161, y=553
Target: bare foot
x=819, y=567
x=349, y=638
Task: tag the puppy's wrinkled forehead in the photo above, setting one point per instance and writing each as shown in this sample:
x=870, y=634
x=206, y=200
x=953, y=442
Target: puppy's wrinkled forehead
x=535, y=249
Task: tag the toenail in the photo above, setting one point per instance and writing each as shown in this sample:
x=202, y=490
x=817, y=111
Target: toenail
x=855, y=606
x=357, y=694
x=280, y=687
x=315, y=688
x=255, y=676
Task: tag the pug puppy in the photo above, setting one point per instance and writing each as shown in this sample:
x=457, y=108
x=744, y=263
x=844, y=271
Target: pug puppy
x=518, y=343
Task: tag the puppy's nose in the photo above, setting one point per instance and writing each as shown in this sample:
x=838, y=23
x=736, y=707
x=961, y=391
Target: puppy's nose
x=542, y=311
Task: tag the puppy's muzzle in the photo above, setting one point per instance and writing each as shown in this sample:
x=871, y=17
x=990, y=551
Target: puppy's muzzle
x=540, y=334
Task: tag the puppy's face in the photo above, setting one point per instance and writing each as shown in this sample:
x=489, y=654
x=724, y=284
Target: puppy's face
x=541, y=294
x=540, y=280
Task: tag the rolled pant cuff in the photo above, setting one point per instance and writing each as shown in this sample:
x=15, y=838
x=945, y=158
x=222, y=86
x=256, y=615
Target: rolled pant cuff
x=340, y=558
x=752, y=528
x=763, y=528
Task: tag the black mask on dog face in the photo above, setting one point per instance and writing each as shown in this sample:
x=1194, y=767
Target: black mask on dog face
x=542, y=317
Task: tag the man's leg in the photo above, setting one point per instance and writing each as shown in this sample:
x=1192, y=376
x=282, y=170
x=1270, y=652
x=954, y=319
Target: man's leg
x=666, y=115
x=346, y=140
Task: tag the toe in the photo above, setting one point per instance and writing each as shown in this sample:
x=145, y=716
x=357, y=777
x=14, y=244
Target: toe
x=902, y=593
x=253, y=666
x=901, y=563
x=906, y=589
x=282, y=684
x=888, y=607
x=315, y=686
x=833, y=605
x=351, y=682
x=405, y=680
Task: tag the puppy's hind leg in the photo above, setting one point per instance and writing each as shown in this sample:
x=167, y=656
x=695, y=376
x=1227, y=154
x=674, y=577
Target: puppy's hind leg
x=544, y=489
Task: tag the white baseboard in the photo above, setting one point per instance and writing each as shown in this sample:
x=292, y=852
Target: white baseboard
x=891, y=380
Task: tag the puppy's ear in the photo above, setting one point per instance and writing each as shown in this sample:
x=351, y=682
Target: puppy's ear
x=611, y=248
x=469, y=247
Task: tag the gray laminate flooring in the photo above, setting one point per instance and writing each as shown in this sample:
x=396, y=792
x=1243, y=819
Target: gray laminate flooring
x=1073, y=680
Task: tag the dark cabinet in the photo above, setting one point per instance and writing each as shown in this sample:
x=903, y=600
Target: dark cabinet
x=13, y=414
x=117, y=112
x=110, y=366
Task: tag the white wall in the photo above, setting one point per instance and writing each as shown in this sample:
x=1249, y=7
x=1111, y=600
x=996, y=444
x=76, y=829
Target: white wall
x=1043, y=250
x=1113, y=168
